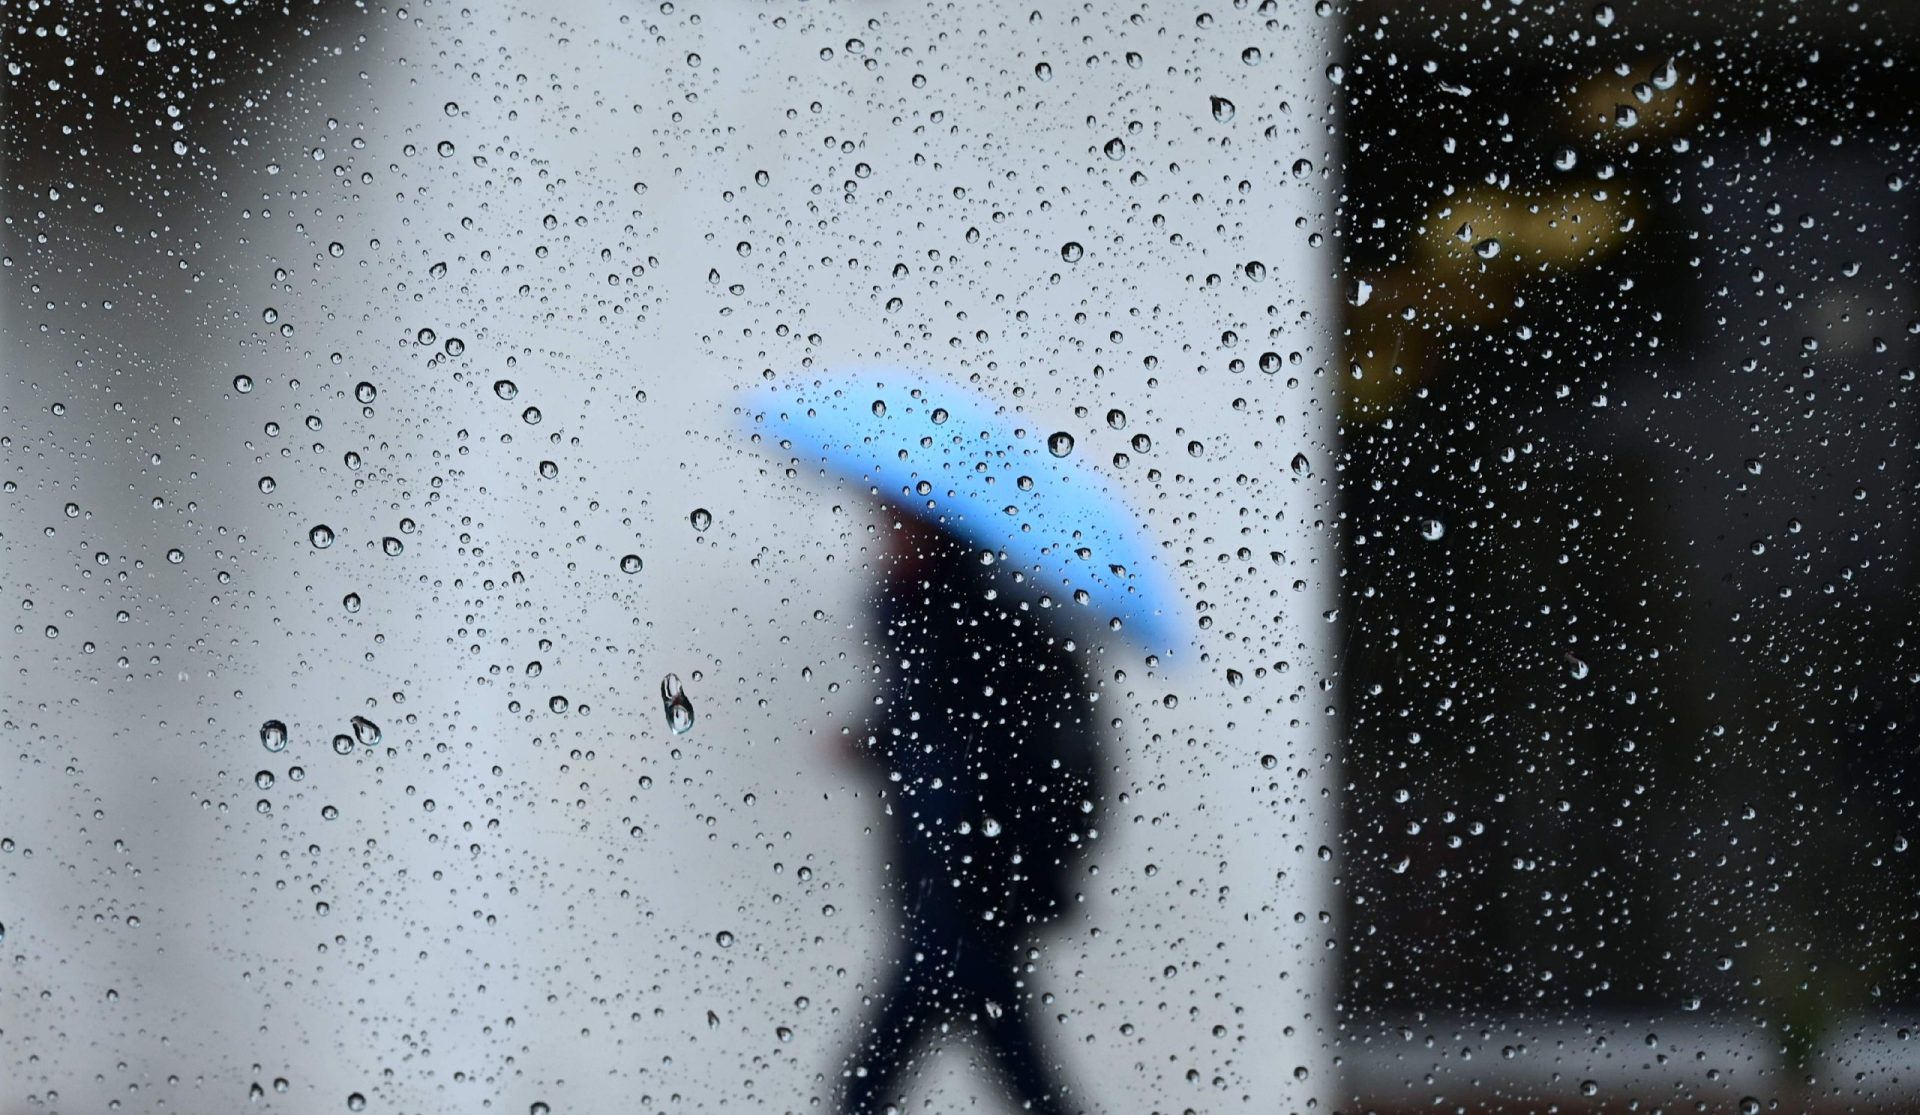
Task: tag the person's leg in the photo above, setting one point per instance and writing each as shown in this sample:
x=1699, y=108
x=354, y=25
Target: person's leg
x=915, y=1003
x=879, y=1056
x=1032, y=1077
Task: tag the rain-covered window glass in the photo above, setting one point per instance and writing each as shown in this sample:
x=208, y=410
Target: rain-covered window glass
x=1271, y=556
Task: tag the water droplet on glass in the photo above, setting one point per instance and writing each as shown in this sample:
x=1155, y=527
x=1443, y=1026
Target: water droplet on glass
x=366, y=731
x=1222, y=109
x=724, y=939
x=1432, y=529
x=701, y=518
x=505, y=388
x=548, y=470
x=392, y=546
x=1116, y=148
x=1302, y=466
x=243, y=383
x=263, y=779
x=630, y=564
x=1071, y=251
x=343, y=744
x=273, y=735
x=1117, y=419
x=531, y=416
x=365, y=392
x=879, y=408
x=679, y=708
x=351, y=602
x=1060, y=443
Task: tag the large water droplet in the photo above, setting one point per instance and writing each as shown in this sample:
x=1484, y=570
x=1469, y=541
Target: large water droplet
x=679, y=709
x=1060, y=444
x=273, y=735
x=366, y=731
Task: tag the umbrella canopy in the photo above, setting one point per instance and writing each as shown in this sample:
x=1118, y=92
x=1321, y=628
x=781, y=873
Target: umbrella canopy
x=948, y=456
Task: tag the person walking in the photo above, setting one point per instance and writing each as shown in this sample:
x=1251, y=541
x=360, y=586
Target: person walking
x=983, y=731
x=1001, y=542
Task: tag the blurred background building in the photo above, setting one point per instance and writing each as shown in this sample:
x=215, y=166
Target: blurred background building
x=1628, y=496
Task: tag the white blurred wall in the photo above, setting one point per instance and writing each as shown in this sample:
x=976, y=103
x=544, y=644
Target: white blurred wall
x=548, y=933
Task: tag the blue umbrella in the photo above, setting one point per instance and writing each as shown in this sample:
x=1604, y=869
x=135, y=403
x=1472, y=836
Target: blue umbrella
x=950, y=457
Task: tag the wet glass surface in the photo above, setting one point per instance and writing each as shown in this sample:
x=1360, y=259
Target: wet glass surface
x=1297, y=557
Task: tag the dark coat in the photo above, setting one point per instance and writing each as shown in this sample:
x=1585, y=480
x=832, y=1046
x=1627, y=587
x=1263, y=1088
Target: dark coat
x=985, y=730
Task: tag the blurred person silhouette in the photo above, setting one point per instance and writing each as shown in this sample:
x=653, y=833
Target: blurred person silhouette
x=982, y=726
x=983, y=729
